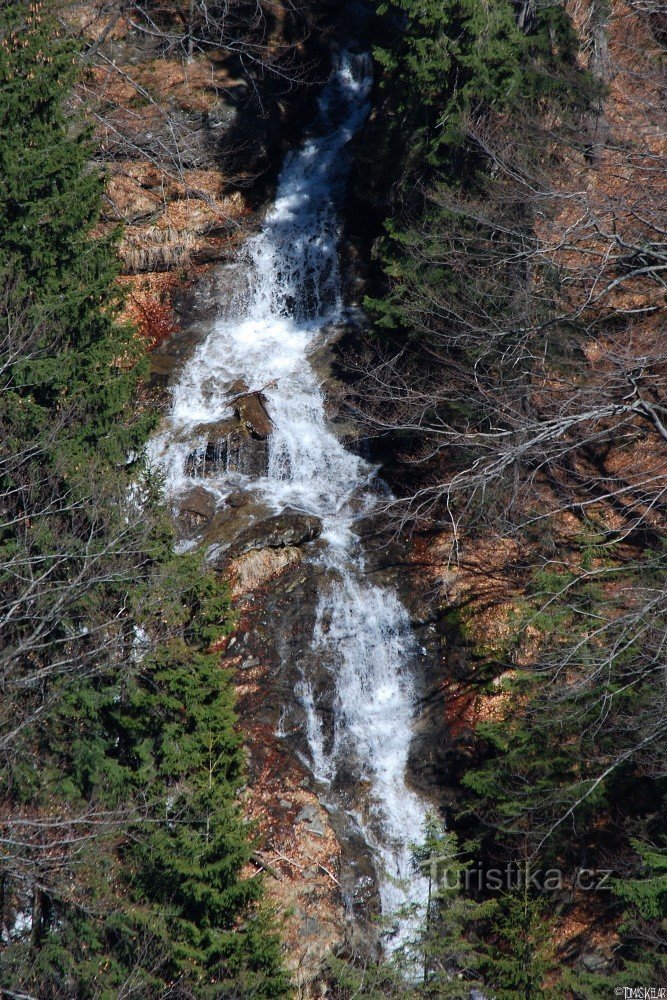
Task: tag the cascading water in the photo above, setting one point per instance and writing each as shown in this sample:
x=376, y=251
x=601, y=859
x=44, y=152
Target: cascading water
x=362, y=634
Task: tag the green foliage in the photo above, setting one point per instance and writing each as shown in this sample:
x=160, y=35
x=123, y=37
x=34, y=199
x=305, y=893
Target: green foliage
x=50, y=200
x=443, y=61
x=641, y=953
x=521, y=955
x=553, y=759
x=167, y=739
x=449, y=944
x=647, y=893
x=500, y=946
x=144, y=748
x=121, y=766
x=445, y=57
x=450, y=262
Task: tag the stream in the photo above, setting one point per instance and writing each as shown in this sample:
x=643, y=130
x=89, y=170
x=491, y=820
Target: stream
x=362, y=636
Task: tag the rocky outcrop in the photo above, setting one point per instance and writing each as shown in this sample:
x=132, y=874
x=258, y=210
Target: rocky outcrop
x=230, y=447
x=281, y=585
x=290, y=528
x=255, y=569
x=195, y=510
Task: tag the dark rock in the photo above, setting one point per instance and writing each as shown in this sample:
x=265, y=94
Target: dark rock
x=310, y=816
x=289, y=528
x=250, y=137
x=196, y=509
x=230, y=448
x=251, y=411
x=237, y=499
x=229, y=522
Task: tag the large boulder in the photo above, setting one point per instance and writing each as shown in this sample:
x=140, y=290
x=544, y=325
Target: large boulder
x=195, y=510
x=290, y=528
x=230, y=447
x=254, y=569
x=230, y=521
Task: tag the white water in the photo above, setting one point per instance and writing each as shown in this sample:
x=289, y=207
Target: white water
x=362, y=634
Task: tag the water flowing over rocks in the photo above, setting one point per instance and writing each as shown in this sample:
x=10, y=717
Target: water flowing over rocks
x=260, y=475
x=251, y=411
x=229, y=446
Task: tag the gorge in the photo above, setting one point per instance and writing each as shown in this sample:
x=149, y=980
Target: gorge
x=359, y=722
x=332, y=500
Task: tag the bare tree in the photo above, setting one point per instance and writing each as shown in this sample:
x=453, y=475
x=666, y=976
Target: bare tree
x=526, y=394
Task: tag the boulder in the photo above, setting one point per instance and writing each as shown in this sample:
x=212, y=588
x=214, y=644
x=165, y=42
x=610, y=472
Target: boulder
x=251, y=411
x=196, y=509
x=594, y=962
x=310, y=815
x=229, y=522
x=253, y=569
x=230, y=447
x=287, y=529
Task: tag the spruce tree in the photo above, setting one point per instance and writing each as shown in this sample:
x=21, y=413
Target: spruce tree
x=640, y=955
x=448, y=943
x=519, y=954
x=50, y=201
x=121, y=766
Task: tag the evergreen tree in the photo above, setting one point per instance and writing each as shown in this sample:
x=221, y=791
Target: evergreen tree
x=519, y=955
x=121, y=770
x=441, y=58
x=50, y=199
x=158, y=747
x=449, y=940
x=443, y=66
x=640, y=959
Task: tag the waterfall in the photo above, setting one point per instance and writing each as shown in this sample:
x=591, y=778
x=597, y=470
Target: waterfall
x=362, y=633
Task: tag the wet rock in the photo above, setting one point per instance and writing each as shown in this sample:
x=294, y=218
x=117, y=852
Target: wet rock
x=358, y=876
x=215, y=295
x=230, y=447
x=237, y=499
x=229, y=522
x=287, y=529
x=169, y=357
x=251, y=411
x=196, y=509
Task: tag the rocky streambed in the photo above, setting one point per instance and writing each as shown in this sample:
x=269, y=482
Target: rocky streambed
x=336, y=642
